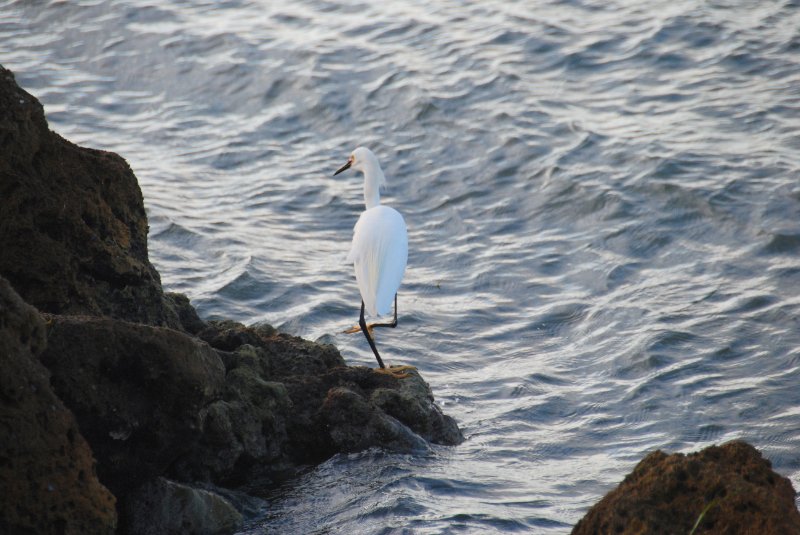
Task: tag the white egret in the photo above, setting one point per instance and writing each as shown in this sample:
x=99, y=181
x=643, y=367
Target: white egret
x=379, y=251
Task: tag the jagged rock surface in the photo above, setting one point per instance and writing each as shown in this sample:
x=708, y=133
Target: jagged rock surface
x=47, y=473
x=73, y=230
x=335, y=408
x=139, y=392
x=666, y=494
x=153, y=401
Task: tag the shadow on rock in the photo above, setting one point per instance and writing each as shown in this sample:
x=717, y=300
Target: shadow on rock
x=47, y=473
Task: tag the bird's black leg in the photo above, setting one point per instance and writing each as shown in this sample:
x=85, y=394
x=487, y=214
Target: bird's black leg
x=393, y=324
x=363, y=323
x=394, y=371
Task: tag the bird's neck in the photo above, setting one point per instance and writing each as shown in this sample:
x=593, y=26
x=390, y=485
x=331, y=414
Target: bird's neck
x=373, y=179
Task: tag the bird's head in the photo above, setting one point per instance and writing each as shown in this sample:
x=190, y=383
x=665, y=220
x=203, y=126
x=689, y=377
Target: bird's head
x=363, y=160
x=360, y=159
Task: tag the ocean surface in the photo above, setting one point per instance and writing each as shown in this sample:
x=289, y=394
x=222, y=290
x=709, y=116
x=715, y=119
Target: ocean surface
x=603, y=203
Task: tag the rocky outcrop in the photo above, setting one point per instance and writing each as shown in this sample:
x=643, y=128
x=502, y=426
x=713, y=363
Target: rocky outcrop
x=171, y=406
x=722, y=489
x=163, y=507
x=329, y=407
x=137, y=391
x=73, y=231
x=47, y=473
x=155, y=401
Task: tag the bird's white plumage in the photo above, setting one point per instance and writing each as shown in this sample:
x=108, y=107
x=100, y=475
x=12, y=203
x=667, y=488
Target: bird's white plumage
x=380, y=239
x=379, y=254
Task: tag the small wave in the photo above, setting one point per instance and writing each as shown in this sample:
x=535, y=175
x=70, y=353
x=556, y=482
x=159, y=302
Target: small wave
x=782, y=244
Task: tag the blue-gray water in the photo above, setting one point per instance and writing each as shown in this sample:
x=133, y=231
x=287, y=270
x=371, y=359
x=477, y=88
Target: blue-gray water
x=603, y=200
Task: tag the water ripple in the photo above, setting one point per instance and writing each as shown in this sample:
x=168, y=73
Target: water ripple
x=601, y=198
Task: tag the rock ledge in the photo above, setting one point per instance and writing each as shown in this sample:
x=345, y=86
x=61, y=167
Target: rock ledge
x=167, y=404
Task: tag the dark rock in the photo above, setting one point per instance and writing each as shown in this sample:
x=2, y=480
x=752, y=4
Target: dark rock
x=227, y=335
x=185, y=312
x=73, y=229
x=279, y=354
x=47, y=473
x=163, y=507
x=314, y=376
x=667, y=494
x=154, y=401
x=354, y=424
x=412, y=402
x=351, y=408
x=244, y=433
x=139, y=392
x=292, y=402
x=365, y=413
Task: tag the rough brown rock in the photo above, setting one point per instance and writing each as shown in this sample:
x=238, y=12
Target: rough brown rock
x=666, y=494
x=244, y=432
x=354, y=424
x=137, y=391
x=73, y=230
x=153, y=401
x=47, y=472
x=334, y=408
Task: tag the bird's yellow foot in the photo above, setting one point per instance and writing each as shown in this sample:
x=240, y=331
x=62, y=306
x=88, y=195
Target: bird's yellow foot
x=396, y=371
x=357, y=329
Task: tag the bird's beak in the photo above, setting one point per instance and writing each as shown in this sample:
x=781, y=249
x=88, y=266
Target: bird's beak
x=345, y=167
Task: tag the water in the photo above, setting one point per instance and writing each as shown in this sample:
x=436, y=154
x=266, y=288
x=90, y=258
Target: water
x=603, y=201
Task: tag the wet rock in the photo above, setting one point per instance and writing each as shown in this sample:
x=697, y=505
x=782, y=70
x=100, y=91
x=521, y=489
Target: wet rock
x=280, y=353
x=157, y=402
x=47, y=473
x=376, y=410
x=350, y=409
x=667, y=494
x=354, y=425
x=228, y=335
x=139, y=392
x=412, y=401
x=73, y=229
x=163, y=507
x=330, y=407
x=244, y=432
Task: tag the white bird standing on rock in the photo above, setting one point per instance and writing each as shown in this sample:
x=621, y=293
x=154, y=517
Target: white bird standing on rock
x=379, y=251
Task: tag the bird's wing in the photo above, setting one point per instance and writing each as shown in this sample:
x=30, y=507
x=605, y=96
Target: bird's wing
x=379, y=254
